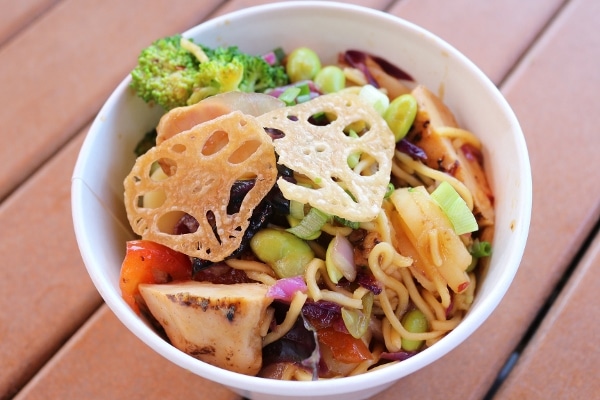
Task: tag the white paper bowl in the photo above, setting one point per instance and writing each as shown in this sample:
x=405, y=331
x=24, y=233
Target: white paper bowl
x=106, y=157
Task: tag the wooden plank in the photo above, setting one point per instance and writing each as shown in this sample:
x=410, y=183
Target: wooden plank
x=561, y=360
x=492, y=34
x=17, y=15
x=46, y=291
x=56, y=74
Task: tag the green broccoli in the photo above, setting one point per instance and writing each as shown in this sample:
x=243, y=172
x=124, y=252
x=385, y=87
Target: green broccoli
x=222, y=72
x=260, y=75
x=166, y=73
x=174, y=72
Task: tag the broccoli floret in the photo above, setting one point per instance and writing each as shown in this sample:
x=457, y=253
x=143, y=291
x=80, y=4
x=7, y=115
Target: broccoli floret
x=172, y=75
x=260, y=76
x=223, y=72
x=166, y=73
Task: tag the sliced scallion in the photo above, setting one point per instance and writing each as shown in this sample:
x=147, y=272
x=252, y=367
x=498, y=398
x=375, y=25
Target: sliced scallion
x=389, y=190
x=455, y=208
x=481, y=249
x=289, y=95
x=345, y=222
x=319, y=118
x=310, y=225
x=304, y=89
x=294, y=222
x=303, y=98
x=296, y=209
x=353, y=158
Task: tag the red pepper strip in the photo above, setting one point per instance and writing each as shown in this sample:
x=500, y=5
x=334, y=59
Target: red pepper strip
x=150, y=262
x=343, y=346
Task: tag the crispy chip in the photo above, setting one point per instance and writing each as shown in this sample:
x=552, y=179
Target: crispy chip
x=321, y=153
x=203, y=164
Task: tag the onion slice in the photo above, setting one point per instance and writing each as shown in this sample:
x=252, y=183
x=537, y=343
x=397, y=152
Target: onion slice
x=285, y=288
x=339, y=259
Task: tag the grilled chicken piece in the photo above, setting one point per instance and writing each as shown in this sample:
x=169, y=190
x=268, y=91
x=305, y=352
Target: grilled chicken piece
x=432, y=113
x=442, y=155
x=218, y=324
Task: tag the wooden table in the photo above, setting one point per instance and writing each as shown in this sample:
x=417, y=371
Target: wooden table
x=59, y=61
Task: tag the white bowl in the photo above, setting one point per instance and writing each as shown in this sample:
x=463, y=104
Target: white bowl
x=106, y=157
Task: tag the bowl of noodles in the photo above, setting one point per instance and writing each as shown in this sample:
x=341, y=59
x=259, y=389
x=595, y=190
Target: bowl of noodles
x=325, y=235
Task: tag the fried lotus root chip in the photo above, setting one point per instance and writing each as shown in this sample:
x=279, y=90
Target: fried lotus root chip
x=322, y=153
x=202, y=163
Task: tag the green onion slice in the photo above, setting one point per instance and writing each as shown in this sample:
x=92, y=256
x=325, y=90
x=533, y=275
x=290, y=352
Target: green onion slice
x=455, y=208
x=289, y=95
x=296, y=209
x=310, y=225
x=481, y=249
x=303, y=98
x=389, y=190
x=304, y=89
x=353, y=158
x=346, y=222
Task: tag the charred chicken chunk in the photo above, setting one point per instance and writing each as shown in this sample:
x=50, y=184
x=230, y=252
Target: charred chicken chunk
x=218, y=324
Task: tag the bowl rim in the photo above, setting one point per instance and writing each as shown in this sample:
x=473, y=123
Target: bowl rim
x=322, y=387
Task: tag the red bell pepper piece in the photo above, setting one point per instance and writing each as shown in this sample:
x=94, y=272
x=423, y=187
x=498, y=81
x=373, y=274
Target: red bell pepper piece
x=150, y=262
x=344, y=347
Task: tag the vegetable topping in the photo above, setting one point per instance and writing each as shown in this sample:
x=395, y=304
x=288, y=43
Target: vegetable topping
x=202, y=165
x=320, y=153
x=174, y=75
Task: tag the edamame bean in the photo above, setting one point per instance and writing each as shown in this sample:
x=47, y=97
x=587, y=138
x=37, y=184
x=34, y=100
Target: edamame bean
x=330, y=79
x=284, y=252
x=414, y=321
x=302, y=64
x=401, y=114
